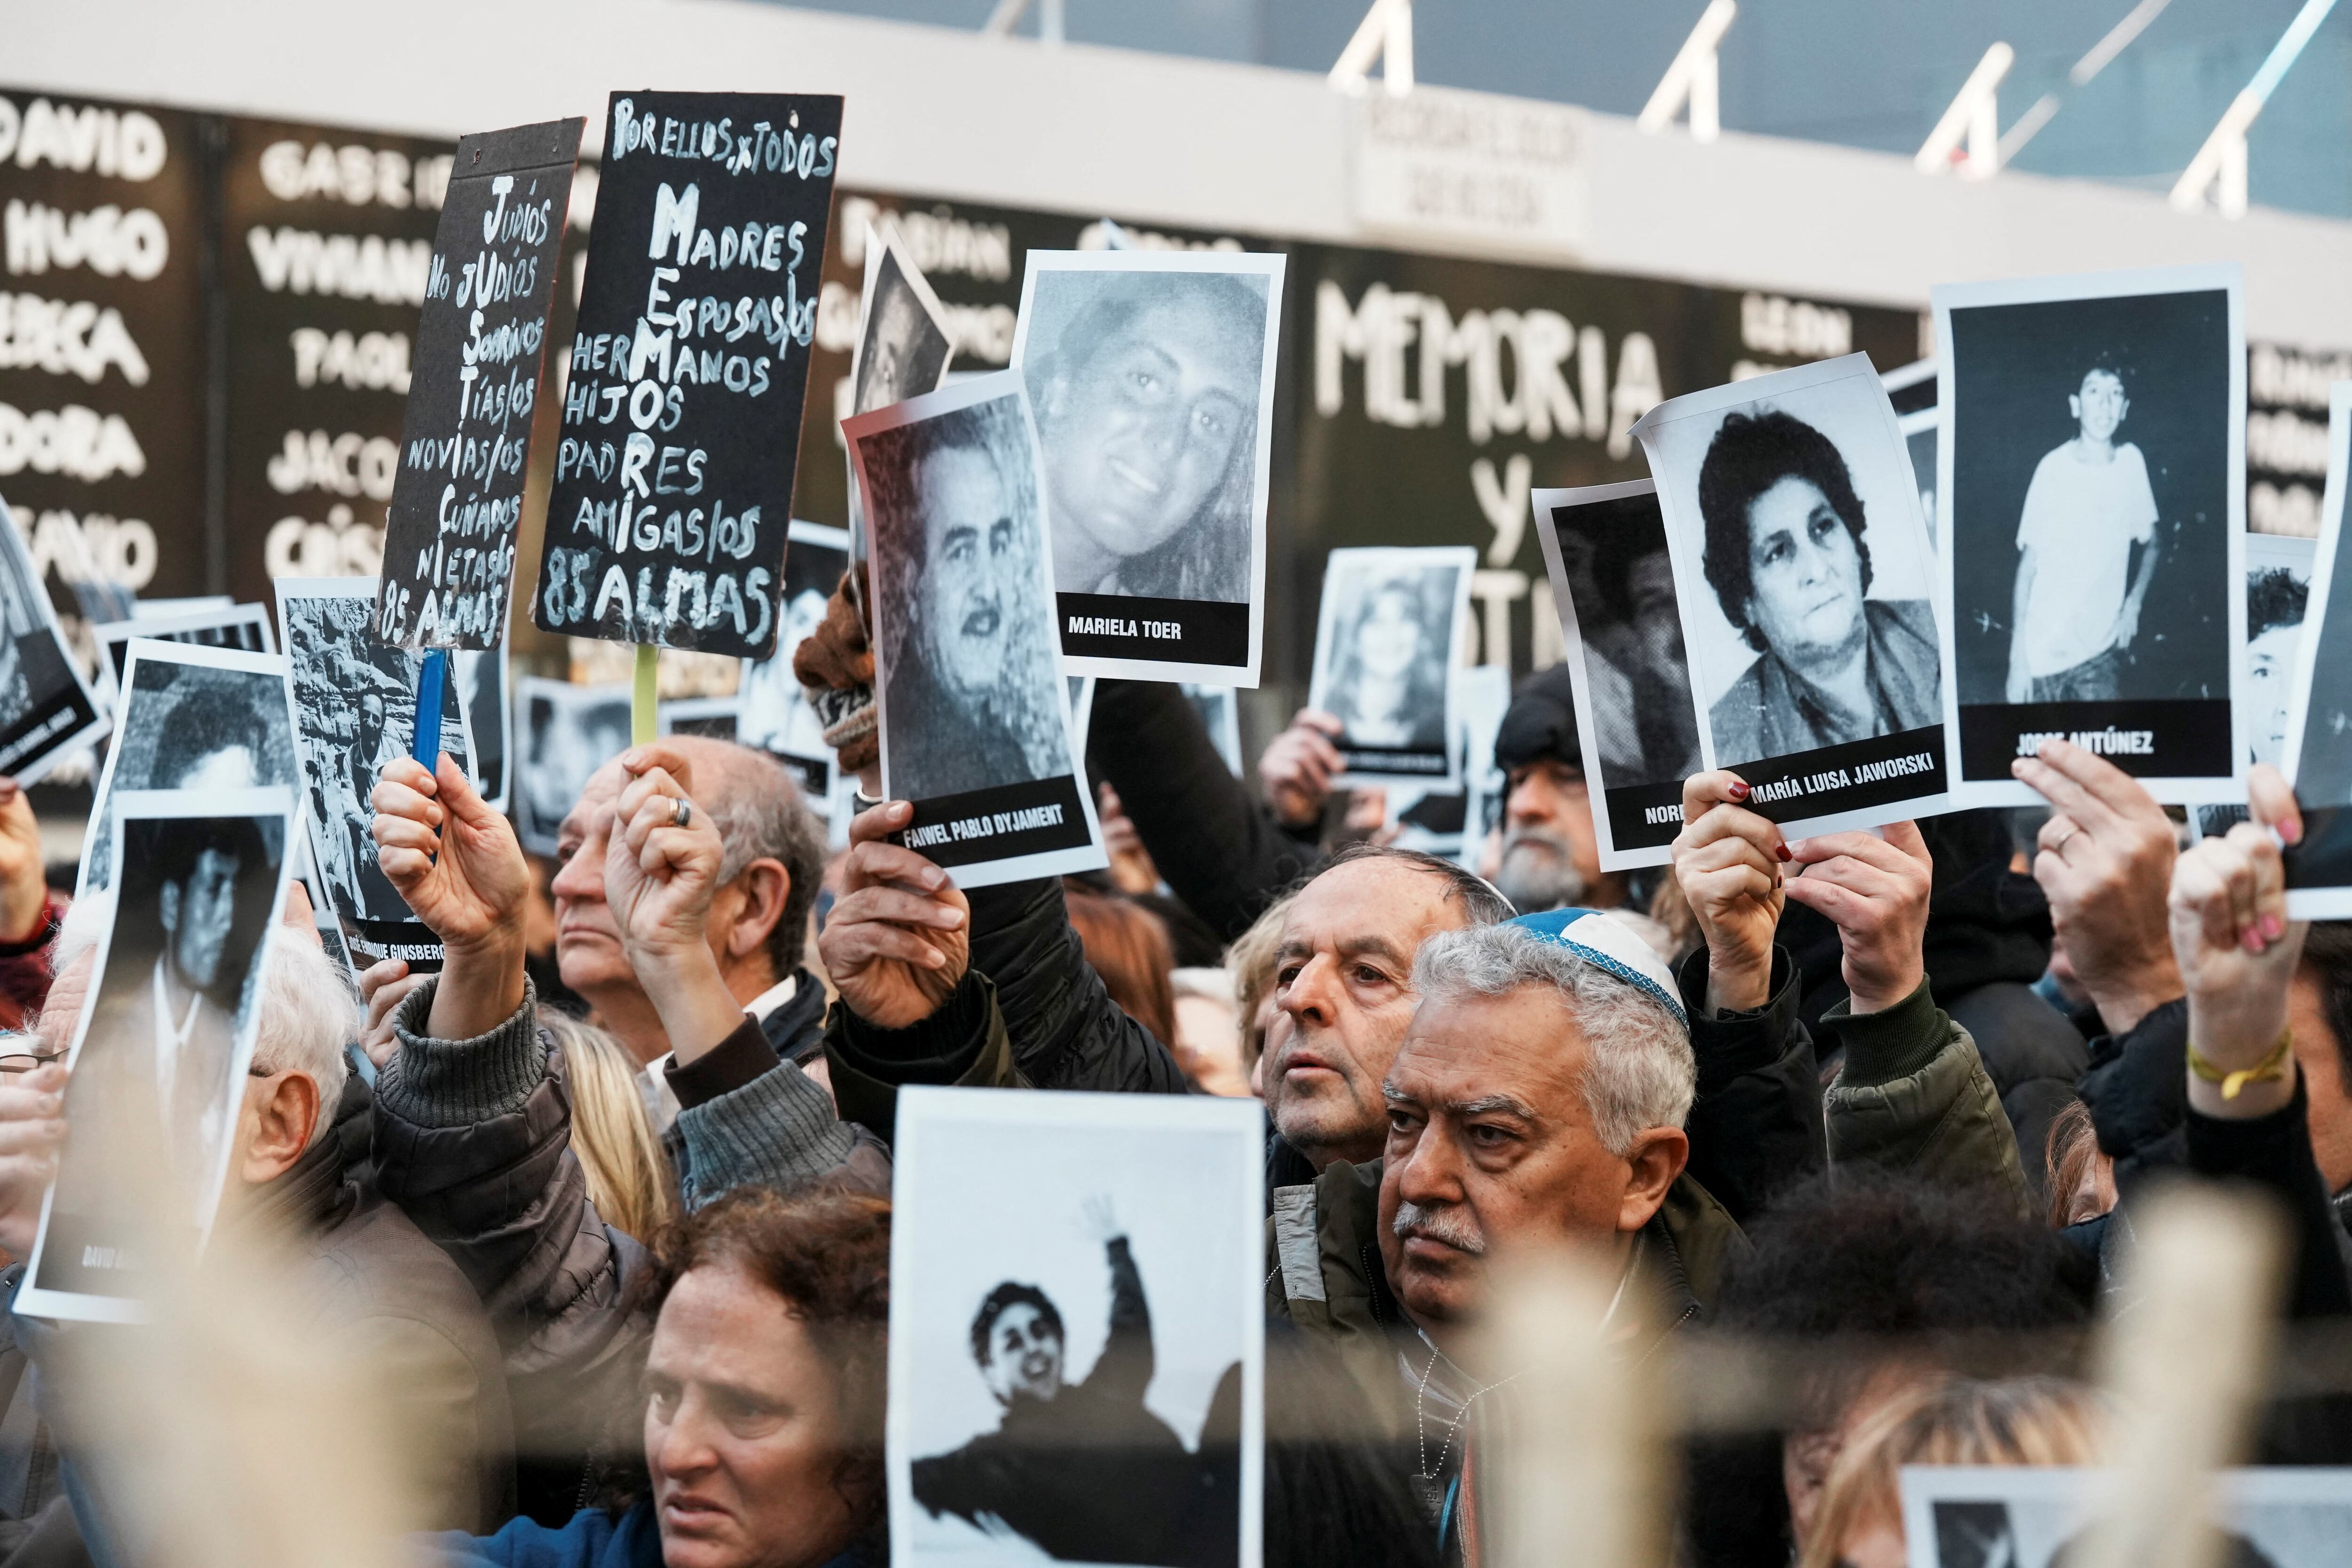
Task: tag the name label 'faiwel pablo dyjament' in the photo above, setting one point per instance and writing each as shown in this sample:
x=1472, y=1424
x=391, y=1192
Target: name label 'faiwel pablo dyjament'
x=1113, y=626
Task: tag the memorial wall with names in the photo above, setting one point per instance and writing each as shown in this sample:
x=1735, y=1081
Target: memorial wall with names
x=1422, y=396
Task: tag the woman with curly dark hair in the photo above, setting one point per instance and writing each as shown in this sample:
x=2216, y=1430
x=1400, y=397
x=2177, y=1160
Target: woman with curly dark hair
x=1786, y=557
x=764, y=1388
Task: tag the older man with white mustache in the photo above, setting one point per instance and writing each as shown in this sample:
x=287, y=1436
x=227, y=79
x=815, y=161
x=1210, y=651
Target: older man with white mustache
x=1539, y=1096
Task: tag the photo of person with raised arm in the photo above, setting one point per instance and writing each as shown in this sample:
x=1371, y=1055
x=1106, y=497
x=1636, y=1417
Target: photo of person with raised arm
x=1084, y=1470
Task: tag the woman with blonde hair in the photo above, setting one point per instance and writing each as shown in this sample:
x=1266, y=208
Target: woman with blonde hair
x=1955, y=1421
x=612, y=1131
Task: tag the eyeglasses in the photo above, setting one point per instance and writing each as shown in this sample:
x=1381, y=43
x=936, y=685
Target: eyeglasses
x=28, y=1061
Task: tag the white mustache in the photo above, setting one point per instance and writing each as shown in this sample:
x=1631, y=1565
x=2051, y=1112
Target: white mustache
x=1438, y=1224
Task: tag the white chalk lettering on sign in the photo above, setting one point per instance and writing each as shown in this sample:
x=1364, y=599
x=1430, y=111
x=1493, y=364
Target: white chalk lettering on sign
x=689, y=370
x=68, y=337
x=107, y=240
x=77, y=442
x=121, y=144
x=465, y=445
x=352, y=267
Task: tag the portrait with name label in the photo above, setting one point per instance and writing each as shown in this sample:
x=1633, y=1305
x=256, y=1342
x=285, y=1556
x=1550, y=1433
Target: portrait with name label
x=240, y=626
x=566, y=732
x=2042, y=1516
x=353, y=702
x=1637, y=723
x=1152, y=377
x=47, y=711
x=163, y=1039
x=190, y=717
x=1077, y=1329
x=1804, y=580
x=2317, y=753
x=975, y=720
x=2092, y=493
x=677, y=442
x=1386, y=643
x=775, y=712
x=2278, y=592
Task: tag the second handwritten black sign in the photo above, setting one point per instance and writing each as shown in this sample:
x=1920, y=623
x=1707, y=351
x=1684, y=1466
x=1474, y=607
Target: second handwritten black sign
x=674, y=473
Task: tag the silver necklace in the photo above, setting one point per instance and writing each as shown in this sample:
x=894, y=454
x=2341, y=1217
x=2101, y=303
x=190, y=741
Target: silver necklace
x=1420, y=1422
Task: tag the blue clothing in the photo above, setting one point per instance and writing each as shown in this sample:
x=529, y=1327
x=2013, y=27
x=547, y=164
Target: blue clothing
x=593, y=1539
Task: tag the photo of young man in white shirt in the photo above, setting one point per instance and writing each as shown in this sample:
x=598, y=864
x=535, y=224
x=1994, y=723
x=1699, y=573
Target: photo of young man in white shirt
x=2089, y=514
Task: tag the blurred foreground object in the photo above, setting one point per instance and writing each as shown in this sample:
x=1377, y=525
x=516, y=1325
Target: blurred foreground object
x=2184, y=1362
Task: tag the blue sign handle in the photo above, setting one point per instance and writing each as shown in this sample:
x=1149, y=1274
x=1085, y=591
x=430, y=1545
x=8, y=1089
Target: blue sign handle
x=432, y=684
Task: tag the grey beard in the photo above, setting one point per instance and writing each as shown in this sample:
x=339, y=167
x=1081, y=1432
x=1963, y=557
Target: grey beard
x=1538, y=871
x=1438, y=1224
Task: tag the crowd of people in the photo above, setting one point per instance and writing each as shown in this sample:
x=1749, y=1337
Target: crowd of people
x=613, y=1222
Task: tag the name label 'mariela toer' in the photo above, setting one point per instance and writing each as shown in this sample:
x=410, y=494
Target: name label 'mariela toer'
x=1113, y=626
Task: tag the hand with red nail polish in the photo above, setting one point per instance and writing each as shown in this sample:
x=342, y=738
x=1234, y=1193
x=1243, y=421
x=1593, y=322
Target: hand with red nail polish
x=898, y=939
x=1727, y=863
x=2237, y=953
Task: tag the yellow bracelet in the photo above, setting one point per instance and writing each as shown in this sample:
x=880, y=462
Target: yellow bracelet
x=2269, y=1070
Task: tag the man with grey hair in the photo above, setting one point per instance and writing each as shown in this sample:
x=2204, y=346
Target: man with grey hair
x=772, y=862
x=364, y=1275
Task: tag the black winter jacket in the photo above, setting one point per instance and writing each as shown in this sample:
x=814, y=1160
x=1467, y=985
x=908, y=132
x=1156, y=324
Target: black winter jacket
x=1217, y=846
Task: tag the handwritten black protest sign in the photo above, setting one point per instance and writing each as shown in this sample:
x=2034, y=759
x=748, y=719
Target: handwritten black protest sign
x=449, y=540
x=674, y=476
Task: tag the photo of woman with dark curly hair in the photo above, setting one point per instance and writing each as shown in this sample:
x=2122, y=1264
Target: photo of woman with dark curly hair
x=1791, y=570
x=1805, y=581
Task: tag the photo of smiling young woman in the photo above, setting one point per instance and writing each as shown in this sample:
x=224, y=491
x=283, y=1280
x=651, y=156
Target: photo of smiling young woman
x=1802, y=566
x=1152, y=374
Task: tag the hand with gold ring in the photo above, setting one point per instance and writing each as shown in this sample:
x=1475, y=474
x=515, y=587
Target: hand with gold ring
x=660, y=877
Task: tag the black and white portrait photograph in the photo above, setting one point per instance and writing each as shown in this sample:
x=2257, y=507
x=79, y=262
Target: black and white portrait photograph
x=244, y=627
x=2092, y=493
x=47, y=711
x=159, y=1057
x=478, y=681
x=976, y=728
x=563, y=734
x=190, y=717
x=2278, y=589
x=1152, y=376
x=1972, y=1516
x=2317, y=750
x=1805, y=583
x=903, y=345
x=1387, y=639
x=1077, y=1330
x=1220, y=712
x=775, y=714
x=1612, y=580
x=716, y=718
x=354, y=710
x=1082, y=709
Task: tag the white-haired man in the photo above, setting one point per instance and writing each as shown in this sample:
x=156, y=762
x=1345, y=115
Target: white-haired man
x=363, y=1275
